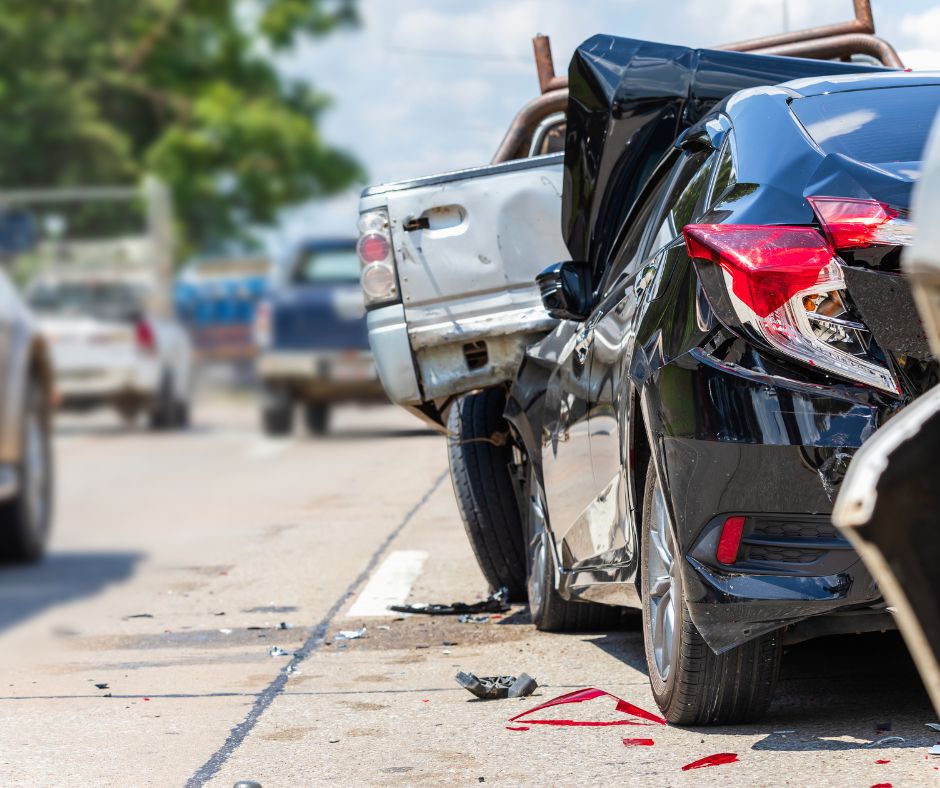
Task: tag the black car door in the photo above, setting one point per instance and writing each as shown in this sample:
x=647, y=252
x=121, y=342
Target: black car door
x=633, y=277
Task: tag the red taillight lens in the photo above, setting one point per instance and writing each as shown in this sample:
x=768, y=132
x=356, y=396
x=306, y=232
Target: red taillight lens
x=146, y=339
x=373, y=248
x=730, y=540
x=767, y=265
x=785, y=285
x=856, y=224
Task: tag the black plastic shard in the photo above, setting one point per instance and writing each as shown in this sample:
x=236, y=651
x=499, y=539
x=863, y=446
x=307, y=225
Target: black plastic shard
x=497, y=687
x=495, y=603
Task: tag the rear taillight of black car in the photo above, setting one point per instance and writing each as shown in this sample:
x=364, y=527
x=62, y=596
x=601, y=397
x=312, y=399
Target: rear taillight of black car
x=785, y=283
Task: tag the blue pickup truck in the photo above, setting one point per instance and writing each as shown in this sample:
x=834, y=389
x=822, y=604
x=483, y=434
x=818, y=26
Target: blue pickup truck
x=312, y=339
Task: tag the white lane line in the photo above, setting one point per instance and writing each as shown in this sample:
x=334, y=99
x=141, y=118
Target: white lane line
x=390, y=585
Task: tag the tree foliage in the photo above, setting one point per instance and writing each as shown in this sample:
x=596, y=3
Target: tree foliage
x=101, y=91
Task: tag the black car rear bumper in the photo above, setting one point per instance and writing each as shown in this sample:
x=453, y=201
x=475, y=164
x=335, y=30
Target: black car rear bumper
x=773, y=451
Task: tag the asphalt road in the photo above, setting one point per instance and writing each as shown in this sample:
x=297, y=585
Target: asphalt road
x=176, y=558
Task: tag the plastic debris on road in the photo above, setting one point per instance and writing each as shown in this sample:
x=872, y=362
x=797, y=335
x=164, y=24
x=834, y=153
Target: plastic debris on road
x=497, y=687
x=934, y=726
x=226, y=631
x=102, y=686
x=468, y=619
x=350, y=634
x=885, y=740
x=718, y=759
x=277, y=651
x=621, y=707
x=494, y=603
x=935, y=750
x=638, y=742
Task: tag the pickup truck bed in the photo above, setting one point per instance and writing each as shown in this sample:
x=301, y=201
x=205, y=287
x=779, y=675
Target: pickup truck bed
x=482, y=233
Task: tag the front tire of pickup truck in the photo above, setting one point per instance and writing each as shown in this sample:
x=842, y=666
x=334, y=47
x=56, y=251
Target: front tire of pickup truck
x=277, y=412
x=480, y=457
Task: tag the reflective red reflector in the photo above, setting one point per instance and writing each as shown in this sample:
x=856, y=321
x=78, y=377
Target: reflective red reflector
x=146, y=340
x=373, y=248
x=855, y=224
x=730, y=540
x=767, y=265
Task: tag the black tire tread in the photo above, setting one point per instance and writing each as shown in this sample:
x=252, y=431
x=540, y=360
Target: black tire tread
x=734, y=687
x=484, y=489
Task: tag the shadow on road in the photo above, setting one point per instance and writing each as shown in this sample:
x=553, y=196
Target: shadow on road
x=844, y=692
x=61, y=578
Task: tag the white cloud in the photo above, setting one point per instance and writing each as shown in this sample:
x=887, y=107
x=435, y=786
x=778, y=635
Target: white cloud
x=922, y=31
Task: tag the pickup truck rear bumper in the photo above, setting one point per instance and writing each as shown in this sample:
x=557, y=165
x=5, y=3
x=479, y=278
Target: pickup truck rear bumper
x=324, y=374
x=391, y=349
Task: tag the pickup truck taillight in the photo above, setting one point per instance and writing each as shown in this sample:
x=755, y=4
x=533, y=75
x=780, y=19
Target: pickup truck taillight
x=375, y=253
x=785, y=285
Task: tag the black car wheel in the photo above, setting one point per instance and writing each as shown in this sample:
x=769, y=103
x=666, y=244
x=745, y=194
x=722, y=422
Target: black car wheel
x=25, y=519
x=480, y=457
x=550, y=611
x=317, y=417
x=163, y=411
x=277, y=412
x=693, y=685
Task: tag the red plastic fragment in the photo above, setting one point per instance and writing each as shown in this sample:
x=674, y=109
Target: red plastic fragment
x=718, y=759
x=589, y=693
x=638, y=742
x=882, y=760
x=517, y=727
x=882, y=785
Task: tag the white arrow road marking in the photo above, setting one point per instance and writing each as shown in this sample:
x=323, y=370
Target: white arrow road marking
x=390, y=585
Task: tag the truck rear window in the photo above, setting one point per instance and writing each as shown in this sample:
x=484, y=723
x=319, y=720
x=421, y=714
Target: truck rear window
x=874, y=126
x=327, y=267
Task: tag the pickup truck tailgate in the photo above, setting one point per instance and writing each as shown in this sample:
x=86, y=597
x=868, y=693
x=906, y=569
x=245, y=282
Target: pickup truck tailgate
x=467, y=248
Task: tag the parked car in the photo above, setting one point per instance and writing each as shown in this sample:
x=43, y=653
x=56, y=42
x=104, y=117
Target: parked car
x=728, y=333
x=889, y=504
x=111, y=348
x=312, y=339
x=26, y=462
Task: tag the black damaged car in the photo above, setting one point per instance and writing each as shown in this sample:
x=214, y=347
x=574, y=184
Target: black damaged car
x=733, y=327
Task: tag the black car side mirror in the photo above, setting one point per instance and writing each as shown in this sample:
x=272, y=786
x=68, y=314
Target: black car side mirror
x=566, y=290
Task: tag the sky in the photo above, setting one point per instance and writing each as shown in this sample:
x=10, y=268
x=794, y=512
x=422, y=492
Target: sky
x=428, y=86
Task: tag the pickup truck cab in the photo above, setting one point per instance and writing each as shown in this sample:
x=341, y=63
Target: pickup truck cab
x=312, y=338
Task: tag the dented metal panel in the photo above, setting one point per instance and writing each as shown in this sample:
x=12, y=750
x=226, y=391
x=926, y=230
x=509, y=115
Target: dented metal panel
x=467, y=249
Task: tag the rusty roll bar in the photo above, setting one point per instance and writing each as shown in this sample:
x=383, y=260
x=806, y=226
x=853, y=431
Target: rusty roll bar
x=863, y=23
x=545, y=65
x=843, y=39
x=843, y=45
x=516, y=142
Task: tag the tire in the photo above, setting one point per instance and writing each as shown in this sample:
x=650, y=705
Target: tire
x=25, y=519
x=485, y=490
x=317, y=417
x=550, y=611
x=163, y=411
x=277, y=413
x=693, y=685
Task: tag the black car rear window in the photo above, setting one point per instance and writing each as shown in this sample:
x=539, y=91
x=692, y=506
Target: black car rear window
x=875, y=126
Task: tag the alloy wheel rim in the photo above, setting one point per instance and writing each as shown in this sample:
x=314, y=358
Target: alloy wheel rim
x=538, y=549
x=661, y=585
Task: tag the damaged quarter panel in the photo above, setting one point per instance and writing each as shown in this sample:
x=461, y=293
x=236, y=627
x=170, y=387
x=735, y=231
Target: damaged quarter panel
x=735, y=425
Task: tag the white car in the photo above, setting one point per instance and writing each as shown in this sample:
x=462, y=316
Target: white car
x=109, y=348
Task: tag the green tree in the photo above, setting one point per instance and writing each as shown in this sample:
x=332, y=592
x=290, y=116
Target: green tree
x=101, y=91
